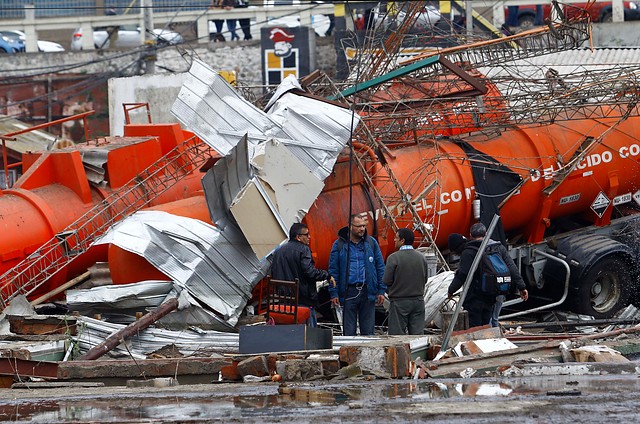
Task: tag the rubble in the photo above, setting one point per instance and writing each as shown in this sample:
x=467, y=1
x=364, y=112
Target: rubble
x=272, y=166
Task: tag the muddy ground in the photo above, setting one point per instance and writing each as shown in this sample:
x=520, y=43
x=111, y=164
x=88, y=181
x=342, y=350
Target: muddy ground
x=558, y=399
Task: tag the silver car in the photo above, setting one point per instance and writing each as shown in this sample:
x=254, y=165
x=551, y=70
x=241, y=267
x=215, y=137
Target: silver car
x=128, y=36
x=43, y=46
x=424, y=21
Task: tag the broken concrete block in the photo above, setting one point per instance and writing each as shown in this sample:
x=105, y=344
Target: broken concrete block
x=384, y=357
x=154, y=382
x=350, y=371
x=42, y=324
x=256, y=365
x=330, y=363
x=299, y=369
x=230, y=372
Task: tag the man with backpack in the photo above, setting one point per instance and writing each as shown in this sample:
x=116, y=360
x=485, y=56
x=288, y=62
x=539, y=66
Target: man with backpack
x=495, y=276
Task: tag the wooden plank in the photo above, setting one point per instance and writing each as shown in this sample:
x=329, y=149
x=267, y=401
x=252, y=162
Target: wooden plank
x=129, y=368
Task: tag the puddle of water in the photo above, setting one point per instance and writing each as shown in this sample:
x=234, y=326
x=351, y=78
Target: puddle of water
x=212, y=405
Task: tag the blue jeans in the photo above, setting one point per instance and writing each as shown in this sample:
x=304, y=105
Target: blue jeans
x=495, y=312
x=313, y=319
x=357, y=307
x=231, y=26
x=512, y=16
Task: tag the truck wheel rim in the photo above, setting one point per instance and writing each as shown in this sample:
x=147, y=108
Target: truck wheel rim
x=605, y=292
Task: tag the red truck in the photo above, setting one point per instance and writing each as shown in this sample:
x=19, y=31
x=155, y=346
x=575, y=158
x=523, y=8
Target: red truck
x=601, y=11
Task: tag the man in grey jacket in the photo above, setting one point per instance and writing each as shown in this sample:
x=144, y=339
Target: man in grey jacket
x=406, y=275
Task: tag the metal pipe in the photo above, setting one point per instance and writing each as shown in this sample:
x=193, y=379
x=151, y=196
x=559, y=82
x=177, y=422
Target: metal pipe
x=130, y=330
x=467, y=283
x=551, y=305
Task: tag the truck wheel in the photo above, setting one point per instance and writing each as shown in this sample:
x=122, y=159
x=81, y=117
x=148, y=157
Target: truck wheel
x=605, y=289
x=526, y=20
x=606, y=16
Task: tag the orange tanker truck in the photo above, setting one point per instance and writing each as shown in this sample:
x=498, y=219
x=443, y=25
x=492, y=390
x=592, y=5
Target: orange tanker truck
x=568, y=203
x=567, y=196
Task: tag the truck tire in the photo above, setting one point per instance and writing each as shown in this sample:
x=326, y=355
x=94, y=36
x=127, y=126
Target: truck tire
x=605, y=288
x=526, y=20
x=606, y=16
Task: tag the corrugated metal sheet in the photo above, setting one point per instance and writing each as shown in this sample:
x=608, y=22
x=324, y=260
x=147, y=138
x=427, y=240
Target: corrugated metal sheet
x=187, y=342
x=568, y=62
x=318, y=130
x=94, y=332
x=215, y=264
x=226, y=179
x=121, y=303
x=32, y=141
x=213, y=109
x=315, y=131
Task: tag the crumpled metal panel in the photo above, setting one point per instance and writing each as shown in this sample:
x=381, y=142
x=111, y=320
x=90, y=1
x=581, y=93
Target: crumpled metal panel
x=315, y=131
x=319, y=131
x=215, y=112
x=146, y=294
x=94, y=160
x=215, y=264
x=288, y=83
x=226, y=179
x=151, y=339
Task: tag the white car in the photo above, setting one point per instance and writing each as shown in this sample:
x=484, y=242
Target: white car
x=425, y=21
x=43, y=46
x=128, y=36
x=319, y=23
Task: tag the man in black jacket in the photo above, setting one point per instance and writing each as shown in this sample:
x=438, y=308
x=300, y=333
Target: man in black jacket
x=293, y=261
x=480, y=305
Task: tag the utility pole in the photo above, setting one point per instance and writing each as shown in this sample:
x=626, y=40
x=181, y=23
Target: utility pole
x=469, y=17
x=149, y=54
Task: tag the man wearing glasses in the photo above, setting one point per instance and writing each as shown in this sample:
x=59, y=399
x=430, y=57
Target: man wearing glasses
x=356, y=263
x=293, y=261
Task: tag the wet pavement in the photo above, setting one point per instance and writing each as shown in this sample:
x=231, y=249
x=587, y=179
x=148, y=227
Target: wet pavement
x=557, y=399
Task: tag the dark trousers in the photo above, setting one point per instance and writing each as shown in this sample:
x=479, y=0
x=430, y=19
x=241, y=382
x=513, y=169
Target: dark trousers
x=480, y=311
x=245, y=26
x=231, y=26
x=358, y=308
x=406, y=314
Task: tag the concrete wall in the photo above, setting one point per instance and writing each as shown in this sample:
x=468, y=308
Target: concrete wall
x=625, y=34
x=160, y=90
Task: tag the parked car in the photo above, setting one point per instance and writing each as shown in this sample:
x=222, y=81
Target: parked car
x=425, y=21
x=319, y=23
x=599, y=11
x=43, y=46
x=10, y=44
x=128, y=36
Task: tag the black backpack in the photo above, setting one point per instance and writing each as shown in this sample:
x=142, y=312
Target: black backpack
x=495, y=275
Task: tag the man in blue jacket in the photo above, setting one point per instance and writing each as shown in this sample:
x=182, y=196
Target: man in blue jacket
x=357, y=265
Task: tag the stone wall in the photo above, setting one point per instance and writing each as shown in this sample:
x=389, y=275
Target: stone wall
x=242, y=57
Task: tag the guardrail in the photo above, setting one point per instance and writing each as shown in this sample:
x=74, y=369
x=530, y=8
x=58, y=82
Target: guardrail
x=260, y=16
